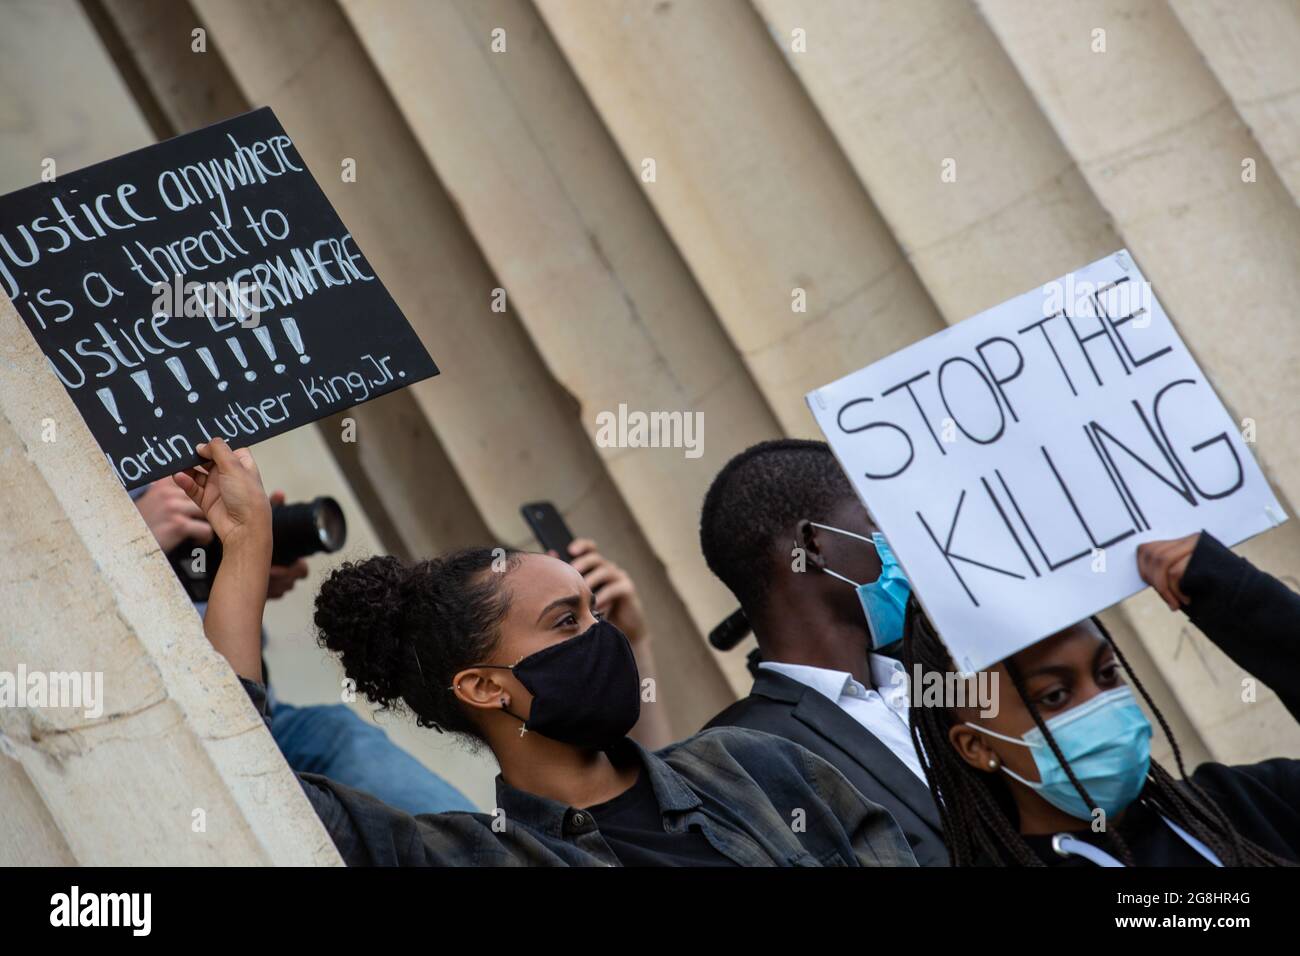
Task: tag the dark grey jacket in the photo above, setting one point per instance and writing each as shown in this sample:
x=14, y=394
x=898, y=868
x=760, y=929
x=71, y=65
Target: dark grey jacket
x=759, y=800
x=780, y=705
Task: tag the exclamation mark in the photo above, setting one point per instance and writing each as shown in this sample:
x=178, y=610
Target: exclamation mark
x=264, y=339
x=106, y=396
x=206, y=355
x=146, y=386
x=240, y=358
x=295, y=339
x=183, y=377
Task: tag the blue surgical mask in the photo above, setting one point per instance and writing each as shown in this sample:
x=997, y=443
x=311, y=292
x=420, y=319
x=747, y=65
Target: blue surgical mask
x=884, y=599
x=1107, y=742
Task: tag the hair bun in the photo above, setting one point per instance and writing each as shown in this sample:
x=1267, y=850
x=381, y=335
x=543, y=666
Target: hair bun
x=403, y=631
x=361, y=615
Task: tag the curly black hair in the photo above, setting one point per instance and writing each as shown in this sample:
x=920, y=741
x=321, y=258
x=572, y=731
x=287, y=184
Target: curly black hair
x=402, y=631
x=755, y=499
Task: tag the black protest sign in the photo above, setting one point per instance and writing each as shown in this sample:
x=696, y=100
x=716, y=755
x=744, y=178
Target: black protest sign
x=203, y=287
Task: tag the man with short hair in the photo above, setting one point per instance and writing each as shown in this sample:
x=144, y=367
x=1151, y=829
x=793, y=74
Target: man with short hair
x=783, y=529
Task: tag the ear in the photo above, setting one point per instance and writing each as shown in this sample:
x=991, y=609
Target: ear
x=806, y=537
x=973, y=748
x=480, y=687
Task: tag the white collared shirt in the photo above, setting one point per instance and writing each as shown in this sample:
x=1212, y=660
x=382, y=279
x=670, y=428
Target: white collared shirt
x=882, y=712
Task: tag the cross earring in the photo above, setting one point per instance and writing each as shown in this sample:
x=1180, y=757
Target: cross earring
x=522, y=729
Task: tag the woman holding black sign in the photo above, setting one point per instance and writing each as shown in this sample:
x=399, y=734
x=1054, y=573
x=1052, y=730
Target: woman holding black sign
x=1062, y=774
x=506, y=648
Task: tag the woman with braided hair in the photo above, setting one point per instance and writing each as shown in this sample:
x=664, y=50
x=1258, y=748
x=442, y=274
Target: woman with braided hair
x=1062, y=774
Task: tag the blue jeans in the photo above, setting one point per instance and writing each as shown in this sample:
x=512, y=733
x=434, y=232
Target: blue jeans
x=331, y=740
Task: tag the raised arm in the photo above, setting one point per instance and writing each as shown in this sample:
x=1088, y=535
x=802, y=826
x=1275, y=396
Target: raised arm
x=367, y=832
x=1251, y=616
x=229, y=491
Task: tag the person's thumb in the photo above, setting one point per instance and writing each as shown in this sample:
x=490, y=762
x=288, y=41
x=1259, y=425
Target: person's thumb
x=222, y=456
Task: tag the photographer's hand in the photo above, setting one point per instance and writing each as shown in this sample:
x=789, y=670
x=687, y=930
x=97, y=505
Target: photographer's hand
x=172, y=516
x=230, y=493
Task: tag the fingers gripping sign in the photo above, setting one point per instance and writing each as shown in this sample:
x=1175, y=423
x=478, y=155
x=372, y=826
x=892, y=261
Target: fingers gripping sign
x=1162, y=563
x=228, y=490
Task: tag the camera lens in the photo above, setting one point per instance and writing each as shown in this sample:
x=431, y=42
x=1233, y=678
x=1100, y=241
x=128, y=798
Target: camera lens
x=303, y=529
x=331, y=528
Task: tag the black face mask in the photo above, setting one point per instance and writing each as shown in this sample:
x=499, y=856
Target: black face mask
x=586, y=690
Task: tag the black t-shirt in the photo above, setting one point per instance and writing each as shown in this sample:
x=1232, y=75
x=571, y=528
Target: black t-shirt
x=634, y=829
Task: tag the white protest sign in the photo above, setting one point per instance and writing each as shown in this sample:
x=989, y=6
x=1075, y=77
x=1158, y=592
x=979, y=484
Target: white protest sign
x=1016, y=460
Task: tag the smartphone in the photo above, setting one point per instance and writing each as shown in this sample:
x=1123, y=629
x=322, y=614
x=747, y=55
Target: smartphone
x=548, y=527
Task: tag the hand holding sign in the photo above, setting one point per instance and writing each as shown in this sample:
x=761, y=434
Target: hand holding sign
x=228, y=491
x=1162, y=563
x=1016, y=460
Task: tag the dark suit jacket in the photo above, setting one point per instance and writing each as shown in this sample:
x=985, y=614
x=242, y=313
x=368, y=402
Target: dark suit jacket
x=784, y=707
